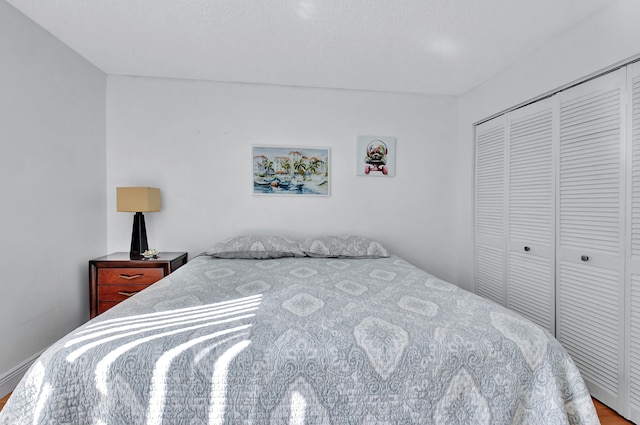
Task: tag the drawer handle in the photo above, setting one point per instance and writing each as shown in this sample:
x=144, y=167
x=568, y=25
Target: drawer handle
x=527, y=249
x=131, y=277
x=585, y=258
x=127, y=294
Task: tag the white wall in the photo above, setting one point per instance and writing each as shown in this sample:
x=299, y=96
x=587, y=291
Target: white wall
x=193, y=141
x=52, y=181
x=609, y=37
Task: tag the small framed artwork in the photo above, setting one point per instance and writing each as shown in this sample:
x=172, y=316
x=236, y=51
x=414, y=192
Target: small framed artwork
x=376, y=156
x=283, y=170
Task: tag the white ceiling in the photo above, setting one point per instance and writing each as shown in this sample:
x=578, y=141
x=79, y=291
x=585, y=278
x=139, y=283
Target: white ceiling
x=419, y=46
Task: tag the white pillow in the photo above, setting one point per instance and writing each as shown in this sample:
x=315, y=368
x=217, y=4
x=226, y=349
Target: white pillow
x=256, y=247
x=343, y=247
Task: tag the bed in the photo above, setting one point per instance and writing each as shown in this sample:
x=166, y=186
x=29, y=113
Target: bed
x=314, y=334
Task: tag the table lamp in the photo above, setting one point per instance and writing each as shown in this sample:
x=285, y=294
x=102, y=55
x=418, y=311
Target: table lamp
x=138, y=200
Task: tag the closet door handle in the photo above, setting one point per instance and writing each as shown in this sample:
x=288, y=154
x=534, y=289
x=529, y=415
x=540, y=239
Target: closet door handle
x=585, y=258
x=526, y=248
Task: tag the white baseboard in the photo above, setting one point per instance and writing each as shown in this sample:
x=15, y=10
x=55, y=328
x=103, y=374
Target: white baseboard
x=10, y=379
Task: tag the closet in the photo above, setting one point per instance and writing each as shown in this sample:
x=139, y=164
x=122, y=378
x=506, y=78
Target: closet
x=557, y=225
x=632, y=278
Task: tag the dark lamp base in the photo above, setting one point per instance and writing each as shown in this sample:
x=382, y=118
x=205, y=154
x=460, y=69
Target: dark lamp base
x=138, y=237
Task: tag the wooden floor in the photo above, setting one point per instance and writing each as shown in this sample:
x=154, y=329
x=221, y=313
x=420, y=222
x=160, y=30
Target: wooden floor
x=606, y=415
x=3, y=400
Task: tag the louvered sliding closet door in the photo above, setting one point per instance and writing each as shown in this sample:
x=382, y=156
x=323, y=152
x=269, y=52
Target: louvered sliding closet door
x=633, y=264
x=531, y=212
x=490, y=209
x=590, y=237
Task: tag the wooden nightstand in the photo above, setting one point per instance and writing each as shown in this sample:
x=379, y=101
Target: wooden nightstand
x=114, y=277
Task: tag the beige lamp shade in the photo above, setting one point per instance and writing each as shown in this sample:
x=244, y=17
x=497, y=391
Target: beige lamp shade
x=138, y=199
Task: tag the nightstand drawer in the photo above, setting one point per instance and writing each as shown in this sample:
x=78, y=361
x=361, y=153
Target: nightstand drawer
x=118, y=292
x=130, y=275
x=105, y=305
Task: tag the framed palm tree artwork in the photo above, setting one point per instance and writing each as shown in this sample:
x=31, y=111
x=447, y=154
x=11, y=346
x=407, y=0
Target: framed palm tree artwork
x=284, y=170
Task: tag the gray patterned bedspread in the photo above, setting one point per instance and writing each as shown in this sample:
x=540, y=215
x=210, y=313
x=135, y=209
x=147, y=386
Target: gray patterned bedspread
x=303, y=341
